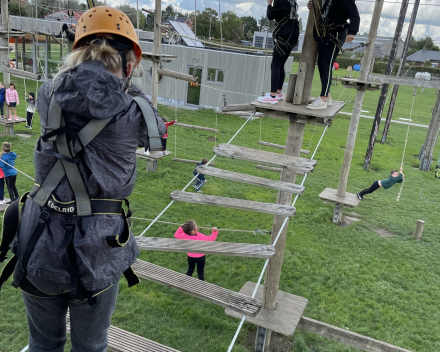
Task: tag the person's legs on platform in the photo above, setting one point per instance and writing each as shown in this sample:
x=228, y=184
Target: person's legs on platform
x=375, y=186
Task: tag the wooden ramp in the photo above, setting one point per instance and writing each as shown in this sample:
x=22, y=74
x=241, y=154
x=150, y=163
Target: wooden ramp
x=285, y=111
x=404, y=81
x=232, y=249
x=123, y=341
x=284, y=319
x=350, y=200
x=279, y=146
x=276, y=169
x=242, y=204
x=360, y=85
x=196, y=127
x=269, y=158
x=253, y=180
x=226, y=298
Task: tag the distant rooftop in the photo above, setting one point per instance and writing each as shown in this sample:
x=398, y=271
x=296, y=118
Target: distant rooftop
x=177, y=19
x=424, y=55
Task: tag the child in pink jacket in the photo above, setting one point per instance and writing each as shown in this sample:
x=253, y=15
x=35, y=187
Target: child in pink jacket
x=188, y=231
x=12, y=100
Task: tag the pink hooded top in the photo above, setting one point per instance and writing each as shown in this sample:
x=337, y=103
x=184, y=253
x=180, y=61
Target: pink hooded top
x=198, y=237
x=12, y=96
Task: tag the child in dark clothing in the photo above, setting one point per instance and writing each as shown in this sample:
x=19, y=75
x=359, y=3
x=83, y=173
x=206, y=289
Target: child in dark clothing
x=2, y=99
x=30, y=111
x=8, y=158
x=331, y=31
x=200, y=180
x=395, y=177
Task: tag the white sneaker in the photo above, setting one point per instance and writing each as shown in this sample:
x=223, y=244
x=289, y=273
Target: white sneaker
x=147, y=152
x=317, y=104
x=280, y=96
x=268, y=99
x=329, y=101
x=2, y=201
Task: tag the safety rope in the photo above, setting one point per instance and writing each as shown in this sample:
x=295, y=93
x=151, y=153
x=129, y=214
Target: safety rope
x=274, y=243
x=18, y=170
x=406, y=141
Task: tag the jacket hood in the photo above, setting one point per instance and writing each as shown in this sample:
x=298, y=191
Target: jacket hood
x=10, y=156
x=91, y=90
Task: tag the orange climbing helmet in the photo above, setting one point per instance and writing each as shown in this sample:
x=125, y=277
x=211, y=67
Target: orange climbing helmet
x=106, y=20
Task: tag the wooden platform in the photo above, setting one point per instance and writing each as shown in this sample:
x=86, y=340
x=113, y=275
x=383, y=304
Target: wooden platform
x=360, y=85
x=9, y=125
x=158, y=57
x=241, y=204
x=276, y=169
x=232, y=249
x=4, y=206
x=253, y=180
x=269, y=158
x=152, y=158
x=279, y=146
x=123, y=341
x=237, y=302
x=283, y=110
x=283, y=319
x=350, y=200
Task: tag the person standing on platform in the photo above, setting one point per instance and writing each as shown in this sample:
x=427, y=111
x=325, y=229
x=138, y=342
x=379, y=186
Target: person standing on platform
x=331, y=31
x=165, y=136
x=285, y=37
x=30, y=111
x=12, y=100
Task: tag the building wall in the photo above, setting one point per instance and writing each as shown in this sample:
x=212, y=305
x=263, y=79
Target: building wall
x=245, y=74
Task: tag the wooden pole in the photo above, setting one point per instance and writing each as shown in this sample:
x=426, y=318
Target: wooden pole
x=157, y=51
x=351, y=139
x=419, y=229
x=304, y=79
x=291, y=87
x=177, y=75
x=401, y=68
x=431, y=137
x=5, y=53
x=384, y=92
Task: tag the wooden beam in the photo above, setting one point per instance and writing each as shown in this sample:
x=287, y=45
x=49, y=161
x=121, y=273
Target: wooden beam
x=198, y=288
x=269, y=158
x=177, y=75
x=190, y=161
x=279, y=146
x=291, y=87
x=237, y=107
x=346, y=337
x=404, y=81
x=269, y=168
x=253, y=180
x=218, y=248
x=196, y=127
x=233, y=203
x=22, y=74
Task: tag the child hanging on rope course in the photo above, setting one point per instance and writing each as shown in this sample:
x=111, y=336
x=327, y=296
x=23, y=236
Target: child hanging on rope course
x=165, y=136
x=200, y=180
x=395, y=177
x=331, y=31
x=285, y=36
x=30, y=111
x=188, y=231
x=12, y=100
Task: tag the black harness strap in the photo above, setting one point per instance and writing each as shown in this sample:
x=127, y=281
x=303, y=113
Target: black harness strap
x=8, y=270
x=155, y=141
x=131, y=277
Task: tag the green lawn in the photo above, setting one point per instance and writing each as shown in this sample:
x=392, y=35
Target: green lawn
x=382, y=287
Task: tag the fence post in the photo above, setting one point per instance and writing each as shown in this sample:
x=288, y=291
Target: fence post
x=419, y=229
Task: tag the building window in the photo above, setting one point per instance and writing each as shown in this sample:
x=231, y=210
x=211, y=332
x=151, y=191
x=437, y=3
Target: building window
x=434, y=64
x=215, y=76
x=259, y=41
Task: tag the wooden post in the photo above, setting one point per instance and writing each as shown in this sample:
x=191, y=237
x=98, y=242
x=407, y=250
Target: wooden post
x=401, y=68
x=431, y=137
x=419, y=229
x=156, y=50
x=291, y=87
x=304, y=80
x=351, y=139
x=384, y=92
x=5, y=53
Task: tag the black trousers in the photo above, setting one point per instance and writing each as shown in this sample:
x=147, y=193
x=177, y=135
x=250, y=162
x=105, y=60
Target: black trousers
x=29, y=118
x=1, y=107
x=2, y=188
x=164, y=143
x=10, y=183
x=327, y=54
x=200, y=267
x=375, y=186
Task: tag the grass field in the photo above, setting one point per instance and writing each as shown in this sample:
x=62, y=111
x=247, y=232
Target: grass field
x=382, y=287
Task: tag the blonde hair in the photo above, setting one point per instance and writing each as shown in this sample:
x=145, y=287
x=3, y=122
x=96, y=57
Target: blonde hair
x=6, y=147
x=97, y=49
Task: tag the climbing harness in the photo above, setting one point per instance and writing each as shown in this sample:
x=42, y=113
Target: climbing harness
x=68, y=148
x=291, y=20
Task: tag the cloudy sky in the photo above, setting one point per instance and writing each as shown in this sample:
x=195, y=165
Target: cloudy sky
x=428, y=18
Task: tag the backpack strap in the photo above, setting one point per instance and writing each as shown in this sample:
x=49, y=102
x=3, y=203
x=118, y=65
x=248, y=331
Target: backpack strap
x=154, y=138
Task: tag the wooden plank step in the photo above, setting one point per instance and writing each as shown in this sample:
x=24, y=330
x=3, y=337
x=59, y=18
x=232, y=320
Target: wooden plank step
x=269, y=158
x=154, y=155
x=242, y=204
x=360, y=85
x=123, y=341
x=196, y=127
x=198, y=288
x=279, y=146
x=232, y=249
x=276, y=169
x=283, y=319
x=190, y=161
x=253, y=180
x=350, y=200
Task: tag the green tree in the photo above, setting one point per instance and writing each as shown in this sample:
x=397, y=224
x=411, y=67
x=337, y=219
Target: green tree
x=232, y=26
x=265, y=24
x=424, y=43
x=207, y=23
x=250, y=25
x=19, y=9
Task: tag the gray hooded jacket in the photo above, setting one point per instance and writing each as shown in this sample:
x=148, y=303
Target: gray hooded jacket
x=108, y=169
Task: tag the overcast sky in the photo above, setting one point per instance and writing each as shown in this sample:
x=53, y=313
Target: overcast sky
x=428, y=18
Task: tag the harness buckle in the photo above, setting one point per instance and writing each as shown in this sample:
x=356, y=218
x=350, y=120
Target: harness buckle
x=69, y=224
x=45, y=216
